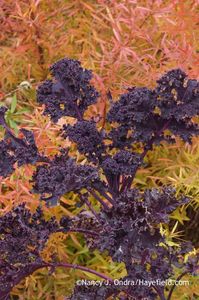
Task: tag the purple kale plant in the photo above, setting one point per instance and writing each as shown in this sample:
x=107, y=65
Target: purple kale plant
x=127, y=225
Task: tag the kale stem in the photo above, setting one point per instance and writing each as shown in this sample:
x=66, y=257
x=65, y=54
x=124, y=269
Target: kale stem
x=37, y=266
x=173, y=287
x=103, y=193
x=98, y=198
x=124, y=183
x=111, y=200
x=116, y=183
x=90, y=207
x=110, y=183
x=159, y=292
x=177, y=279
x=78, y=267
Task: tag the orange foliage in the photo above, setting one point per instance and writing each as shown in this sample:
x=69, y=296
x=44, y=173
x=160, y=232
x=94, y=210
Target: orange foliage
x=125, y=42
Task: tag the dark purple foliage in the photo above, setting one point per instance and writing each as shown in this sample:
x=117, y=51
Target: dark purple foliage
x=136, y=106
x=147, y=114
x=22, y=236
x=177, y=96
x=127, y=225
x=134, y=217
x=69, y=93
x=60, y=176
x=135, y=111
x=122, y=163
x=7, y=160
x=83, y=292
x=88, y=139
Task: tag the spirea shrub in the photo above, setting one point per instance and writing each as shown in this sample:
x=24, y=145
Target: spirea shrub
x=127, y=225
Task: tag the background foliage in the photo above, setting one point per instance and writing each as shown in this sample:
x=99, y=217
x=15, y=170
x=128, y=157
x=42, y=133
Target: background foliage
x=125, y=43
